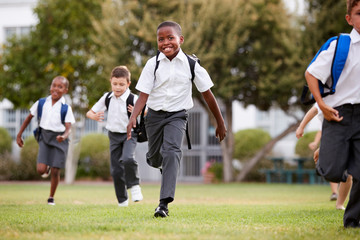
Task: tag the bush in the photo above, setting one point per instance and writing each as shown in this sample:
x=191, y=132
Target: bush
x=302, y=146
x=5, y=141
x=247, y=143
x=7, y=167
x=26, y=169
x=94, y=160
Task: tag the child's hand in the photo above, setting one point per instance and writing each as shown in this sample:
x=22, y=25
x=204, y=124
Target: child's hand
x=299, y=132
x=312, y=145
x=130, y=108
x=60, y=138
x=331, y=114
x=131, y=124
x=99, y=116
x=19, y=141
x=316, y=155
x=221, y=132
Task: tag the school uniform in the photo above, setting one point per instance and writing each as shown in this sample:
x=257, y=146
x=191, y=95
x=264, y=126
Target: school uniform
x=123, y=166
x=340, y=141
x=51, y=152
x=170, y=98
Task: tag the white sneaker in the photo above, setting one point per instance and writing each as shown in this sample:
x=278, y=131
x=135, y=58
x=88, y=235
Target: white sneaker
x=47, y=173
x=124, y=203
x=136, y=194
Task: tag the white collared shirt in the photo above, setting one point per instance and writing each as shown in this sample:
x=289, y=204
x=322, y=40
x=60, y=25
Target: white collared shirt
x=51, y=116
x=117, y=117
x=172, y=89
x=348, y=86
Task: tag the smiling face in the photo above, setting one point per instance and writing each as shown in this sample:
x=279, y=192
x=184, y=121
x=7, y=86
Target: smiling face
x=353, y=18
x=169, y=41
x=119, y=85
x=58, y=88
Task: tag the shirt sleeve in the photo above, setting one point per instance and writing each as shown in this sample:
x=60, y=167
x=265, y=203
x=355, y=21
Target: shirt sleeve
x=321, y=67
x=100, y=105
x=202, y=79
x=34, y=107
x=69, y=118
x=146, y=81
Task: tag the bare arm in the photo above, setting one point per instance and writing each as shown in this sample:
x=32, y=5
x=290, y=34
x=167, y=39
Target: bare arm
x=139, y=105
x=66, y=134
x=99, y=116
x=307, y=118
x=313, y=145
x=330, y=113
x=214, y=108
x=19, y=140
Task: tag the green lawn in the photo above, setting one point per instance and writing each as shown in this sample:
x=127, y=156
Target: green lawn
x=218, y=211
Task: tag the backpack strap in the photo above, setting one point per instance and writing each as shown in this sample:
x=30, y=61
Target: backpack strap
x=63, y=111
x=338, y=63
x=340, y=56
x=157, y=62
x=40, y=108
x=107, y=100
x=192, y=61
x=129, y=101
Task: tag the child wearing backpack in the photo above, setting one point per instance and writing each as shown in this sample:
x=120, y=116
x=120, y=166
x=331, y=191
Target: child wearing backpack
x=339, y=153
x=165, y=85
x=124, y=168
x=55, y=126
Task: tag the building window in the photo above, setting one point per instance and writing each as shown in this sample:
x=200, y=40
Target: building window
x=10, y=116
x=16, y=31
x=191, y=166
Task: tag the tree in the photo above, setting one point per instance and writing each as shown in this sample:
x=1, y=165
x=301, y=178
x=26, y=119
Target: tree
x=60, y=44
x=248, y=47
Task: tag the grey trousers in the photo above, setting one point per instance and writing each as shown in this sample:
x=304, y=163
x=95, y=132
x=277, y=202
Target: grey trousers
x=165, y=132
x=340, y=154
x=123, y=166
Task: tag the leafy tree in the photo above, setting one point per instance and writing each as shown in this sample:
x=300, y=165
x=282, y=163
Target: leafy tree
x=60, y=44
x=248, y=47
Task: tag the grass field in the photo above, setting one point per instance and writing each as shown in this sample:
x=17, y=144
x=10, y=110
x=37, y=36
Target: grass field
x=218, y=211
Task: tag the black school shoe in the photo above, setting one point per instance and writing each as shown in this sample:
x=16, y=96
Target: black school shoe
x=161, y=211
x=51, y=201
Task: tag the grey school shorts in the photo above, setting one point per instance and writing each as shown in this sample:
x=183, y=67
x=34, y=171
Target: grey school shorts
x=51, y=152
x=340, y=145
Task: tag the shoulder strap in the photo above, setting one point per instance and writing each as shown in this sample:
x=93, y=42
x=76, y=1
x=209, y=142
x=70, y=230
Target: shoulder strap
x=338, y=63
x=192, y=61
x=40, y=108
x=340, y=56
x=107, y=100
x=64, y=108
x=129, y=101
x=157, y=62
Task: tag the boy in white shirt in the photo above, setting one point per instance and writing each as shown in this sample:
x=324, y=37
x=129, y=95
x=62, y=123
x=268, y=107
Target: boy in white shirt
x=167, y=92
x=53, y=141
x=124, y=168
x=340, y=141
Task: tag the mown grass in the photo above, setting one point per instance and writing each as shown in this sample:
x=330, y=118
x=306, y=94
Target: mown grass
x=220, y=211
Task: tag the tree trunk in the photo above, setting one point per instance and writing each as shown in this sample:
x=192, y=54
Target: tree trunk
x=227, y=145
x=265, y=150
x=72, y=158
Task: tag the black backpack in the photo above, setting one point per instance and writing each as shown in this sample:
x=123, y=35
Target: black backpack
x=140, y=128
